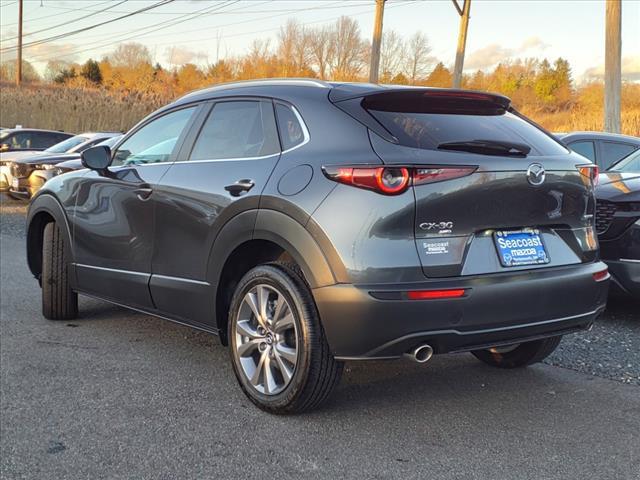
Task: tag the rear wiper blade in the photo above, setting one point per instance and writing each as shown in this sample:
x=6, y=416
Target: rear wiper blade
x=488, y=147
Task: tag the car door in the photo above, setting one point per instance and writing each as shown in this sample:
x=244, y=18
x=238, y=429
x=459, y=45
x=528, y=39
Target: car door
x=113, y=217
x=221, y=172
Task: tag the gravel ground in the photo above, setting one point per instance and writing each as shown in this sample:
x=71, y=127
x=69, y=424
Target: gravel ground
x=611, y=349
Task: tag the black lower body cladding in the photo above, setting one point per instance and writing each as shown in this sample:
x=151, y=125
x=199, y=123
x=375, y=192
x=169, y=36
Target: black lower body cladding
x=496, y=309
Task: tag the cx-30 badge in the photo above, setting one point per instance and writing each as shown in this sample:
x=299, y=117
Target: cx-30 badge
x=535, y=174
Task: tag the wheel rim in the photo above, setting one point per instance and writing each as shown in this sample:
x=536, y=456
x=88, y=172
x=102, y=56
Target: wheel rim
x=266, y=339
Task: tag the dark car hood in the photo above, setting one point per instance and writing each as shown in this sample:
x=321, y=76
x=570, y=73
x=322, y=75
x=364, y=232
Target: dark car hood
x=49, y=159
x=619, y=187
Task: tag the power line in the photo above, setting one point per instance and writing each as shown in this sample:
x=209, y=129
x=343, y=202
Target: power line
x=138, y=35
x=397, y=3
x=48, y=16
x=91, y=27
x=159, y=26
x=67, y=23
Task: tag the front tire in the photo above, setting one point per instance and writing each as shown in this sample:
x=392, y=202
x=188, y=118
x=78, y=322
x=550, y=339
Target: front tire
x=519, y=355
x=277, y=345
x=59, y=301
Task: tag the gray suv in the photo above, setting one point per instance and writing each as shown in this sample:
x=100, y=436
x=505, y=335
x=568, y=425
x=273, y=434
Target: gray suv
x=310, y=223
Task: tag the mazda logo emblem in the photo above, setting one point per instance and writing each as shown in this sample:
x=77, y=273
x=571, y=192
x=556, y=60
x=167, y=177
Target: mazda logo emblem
x=535, y=174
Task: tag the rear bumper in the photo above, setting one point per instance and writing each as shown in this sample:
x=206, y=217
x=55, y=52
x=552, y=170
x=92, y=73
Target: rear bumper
x=625, y=274
x=497, y=309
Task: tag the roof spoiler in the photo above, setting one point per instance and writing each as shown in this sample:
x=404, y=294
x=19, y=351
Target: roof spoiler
x=357, y=100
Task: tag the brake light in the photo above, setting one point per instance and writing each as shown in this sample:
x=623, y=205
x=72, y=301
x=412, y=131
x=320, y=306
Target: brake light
x=393, y=180
x=432, y=294
x=591, y=172
x=601, y=275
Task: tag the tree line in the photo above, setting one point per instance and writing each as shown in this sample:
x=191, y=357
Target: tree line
x=335, y=51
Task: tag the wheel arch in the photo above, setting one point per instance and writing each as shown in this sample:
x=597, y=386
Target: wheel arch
x=45, y=208
x=260, y=236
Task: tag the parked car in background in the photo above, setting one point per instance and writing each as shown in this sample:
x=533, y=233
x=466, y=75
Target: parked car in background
x=15, y=167
x=48, y=168
x=618, y=222
x=30, y=139
x=603, y=149
x=309, y=223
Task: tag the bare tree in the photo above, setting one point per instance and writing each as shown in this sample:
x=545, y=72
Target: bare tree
x=320, y=49
x=287, y=38
x=418, y=59
x=130, y=55
x=392, y=55
x=348, y=50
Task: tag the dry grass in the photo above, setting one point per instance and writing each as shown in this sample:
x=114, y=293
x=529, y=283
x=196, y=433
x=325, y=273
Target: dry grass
x=73, y=110
x=579, y=119
x=77, y=110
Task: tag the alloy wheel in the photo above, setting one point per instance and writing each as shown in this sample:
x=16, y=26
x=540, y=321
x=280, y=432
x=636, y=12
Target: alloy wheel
x=266, y=339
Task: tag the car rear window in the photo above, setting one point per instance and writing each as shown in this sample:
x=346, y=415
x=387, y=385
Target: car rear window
x=420, y=125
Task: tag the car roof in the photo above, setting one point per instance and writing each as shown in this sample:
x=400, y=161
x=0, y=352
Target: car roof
x=337, y=91
x=91, y=135
x=600, y=136
x=11, y=130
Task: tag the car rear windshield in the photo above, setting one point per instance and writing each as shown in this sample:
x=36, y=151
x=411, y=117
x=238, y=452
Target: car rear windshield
x=419, y=125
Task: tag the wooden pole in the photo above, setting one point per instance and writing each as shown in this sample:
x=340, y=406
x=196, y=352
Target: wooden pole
x=612, y=67
x=19, y=57
x=462, y=42
x=376, y=42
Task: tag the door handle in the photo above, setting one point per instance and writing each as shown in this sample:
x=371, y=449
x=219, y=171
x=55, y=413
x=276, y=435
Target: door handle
x=236, y=189
x=143, y=193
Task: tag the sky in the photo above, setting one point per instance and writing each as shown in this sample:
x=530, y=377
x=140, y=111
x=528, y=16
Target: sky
x=498, y=29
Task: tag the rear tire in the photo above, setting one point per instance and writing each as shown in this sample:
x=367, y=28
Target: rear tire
x=286, y=367
x=522, y=355
x=59, y=302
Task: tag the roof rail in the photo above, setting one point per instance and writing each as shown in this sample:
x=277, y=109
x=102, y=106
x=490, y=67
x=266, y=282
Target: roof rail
x=309, y=82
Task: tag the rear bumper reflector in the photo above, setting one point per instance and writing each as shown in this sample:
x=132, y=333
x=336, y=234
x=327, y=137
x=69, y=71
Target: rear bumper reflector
x=433, y=294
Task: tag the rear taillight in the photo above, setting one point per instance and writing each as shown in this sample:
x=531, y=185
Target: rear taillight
x=591, y=172
x=393, y=180
x=601, y=275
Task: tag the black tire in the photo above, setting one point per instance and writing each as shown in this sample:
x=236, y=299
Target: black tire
x=522, y=355
x=59, y=302
x=316, y=372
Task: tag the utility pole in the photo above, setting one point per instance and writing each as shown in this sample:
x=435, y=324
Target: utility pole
x=377, y=41
x=19, y=57
x=612, y=66
x=462, y=40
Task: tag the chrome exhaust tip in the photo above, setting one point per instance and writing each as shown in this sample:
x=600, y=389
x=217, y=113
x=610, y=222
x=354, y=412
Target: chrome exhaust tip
x=420, y=354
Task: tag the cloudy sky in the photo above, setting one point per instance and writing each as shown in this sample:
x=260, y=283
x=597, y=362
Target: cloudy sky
x=205, y=30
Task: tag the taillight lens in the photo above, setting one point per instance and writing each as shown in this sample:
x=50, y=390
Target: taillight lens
x=601, y=275
x=591, y=172
x=393, y=180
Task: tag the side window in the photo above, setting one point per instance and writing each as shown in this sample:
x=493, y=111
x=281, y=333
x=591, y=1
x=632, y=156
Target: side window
x=22, y=140
x=154, y=142
x=291, y=132
x=238, y=129
x=613, y=151
x=584, y=148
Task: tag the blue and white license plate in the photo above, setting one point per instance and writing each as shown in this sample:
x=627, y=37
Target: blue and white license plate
x=521, y=247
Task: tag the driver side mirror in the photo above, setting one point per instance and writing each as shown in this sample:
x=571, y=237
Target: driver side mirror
x=96, y=158
x=4, y=147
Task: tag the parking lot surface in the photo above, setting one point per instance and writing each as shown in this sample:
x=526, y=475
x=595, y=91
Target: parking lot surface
x=118, y=394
